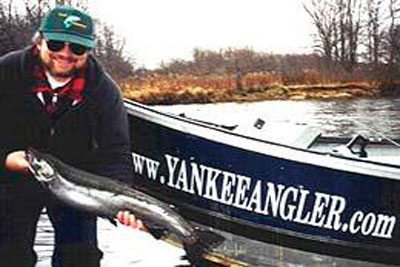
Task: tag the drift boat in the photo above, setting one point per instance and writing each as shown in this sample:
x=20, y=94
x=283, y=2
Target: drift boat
x=305, y=200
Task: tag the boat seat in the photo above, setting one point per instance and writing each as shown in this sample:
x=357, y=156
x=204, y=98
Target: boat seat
x=296, y=135
x=307, y=137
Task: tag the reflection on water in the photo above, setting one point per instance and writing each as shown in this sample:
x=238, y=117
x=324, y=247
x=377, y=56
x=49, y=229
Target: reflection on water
x=370, y=117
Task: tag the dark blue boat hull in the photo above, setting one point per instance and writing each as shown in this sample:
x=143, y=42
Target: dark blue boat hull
x=269, y=197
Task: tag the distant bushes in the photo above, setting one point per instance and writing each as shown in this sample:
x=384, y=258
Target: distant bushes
x=178, y=88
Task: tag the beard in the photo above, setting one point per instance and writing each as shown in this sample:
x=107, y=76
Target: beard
x=50, y=66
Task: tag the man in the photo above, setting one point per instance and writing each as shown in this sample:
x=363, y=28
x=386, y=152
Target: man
x=55, y=97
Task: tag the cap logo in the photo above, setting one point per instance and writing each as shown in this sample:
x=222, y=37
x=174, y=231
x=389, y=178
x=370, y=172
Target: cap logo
x=72, y=20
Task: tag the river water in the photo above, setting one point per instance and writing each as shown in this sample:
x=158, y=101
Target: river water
x=370, y=117
x=122, y=246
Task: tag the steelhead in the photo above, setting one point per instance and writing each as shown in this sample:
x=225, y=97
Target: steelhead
x=104, y=197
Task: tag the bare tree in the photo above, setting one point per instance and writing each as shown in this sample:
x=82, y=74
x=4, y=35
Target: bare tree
x=353, y=31
x=338, y=26
x=374, y=32
x=110, y=51
x=323, y=15
x=15, y=30
x=391, y=37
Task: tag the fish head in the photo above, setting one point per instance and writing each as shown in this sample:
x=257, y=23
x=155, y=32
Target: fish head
x=41, y=168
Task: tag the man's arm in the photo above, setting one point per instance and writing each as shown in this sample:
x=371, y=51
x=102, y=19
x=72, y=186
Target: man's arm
x=11, y=77
x=112, y=136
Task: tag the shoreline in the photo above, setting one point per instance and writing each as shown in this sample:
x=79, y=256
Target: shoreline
x=197, y=95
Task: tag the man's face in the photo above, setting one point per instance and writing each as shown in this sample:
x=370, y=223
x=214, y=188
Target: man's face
x=60, y=64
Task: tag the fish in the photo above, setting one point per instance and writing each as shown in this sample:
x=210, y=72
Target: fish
x=105, y=197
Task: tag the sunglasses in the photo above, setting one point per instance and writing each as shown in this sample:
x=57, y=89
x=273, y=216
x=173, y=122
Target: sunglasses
x=56, y=46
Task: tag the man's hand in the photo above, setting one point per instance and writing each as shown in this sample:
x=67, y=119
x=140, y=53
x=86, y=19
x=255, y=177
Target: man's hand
x=128, y=219
x=16, y=162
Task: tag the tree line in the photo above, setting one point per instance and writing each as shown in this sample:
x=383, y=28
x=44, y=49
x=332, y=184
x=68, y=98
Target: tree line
x=19, y=21
x=350, y=33
x=353, y=39
x=238, y=62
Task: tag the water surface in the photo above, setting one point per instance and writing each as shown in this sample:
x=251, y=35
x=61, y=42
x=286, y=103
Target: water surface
x=370, y=117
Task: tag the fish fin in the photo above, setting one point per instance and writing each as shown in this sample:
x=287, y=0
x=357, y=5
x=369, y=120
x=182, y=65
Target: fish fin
x=206, y=240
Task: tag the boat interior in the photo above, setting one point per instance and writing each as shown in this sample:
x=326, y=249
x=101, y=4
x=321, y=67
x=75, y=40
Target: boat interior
x=303, y=136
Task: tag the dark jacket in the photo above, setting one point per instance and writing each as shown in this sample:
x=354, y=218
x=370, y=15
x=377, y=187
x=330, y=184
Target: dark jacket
x=92, y=136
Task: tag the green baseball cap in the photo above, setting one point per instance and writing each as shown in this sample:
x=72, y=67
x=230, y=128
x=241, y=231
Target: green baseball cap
x=65, y=23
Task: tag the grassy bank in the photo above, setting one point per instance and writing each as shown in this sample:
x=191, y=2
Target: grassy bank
x=178, y=89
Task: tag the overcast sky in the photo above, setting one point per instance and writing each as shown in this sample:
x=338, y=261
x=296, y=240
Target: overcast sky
x=160, y=30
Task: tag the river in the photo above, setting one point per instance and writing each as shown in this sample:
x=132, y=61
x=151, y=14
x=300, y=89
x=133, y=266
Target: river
x=126, y=247
x=370, y=117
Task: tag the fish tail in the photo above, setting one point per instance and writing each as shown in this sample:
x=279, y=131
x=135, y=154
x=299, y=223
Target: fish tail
x=206, y=240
